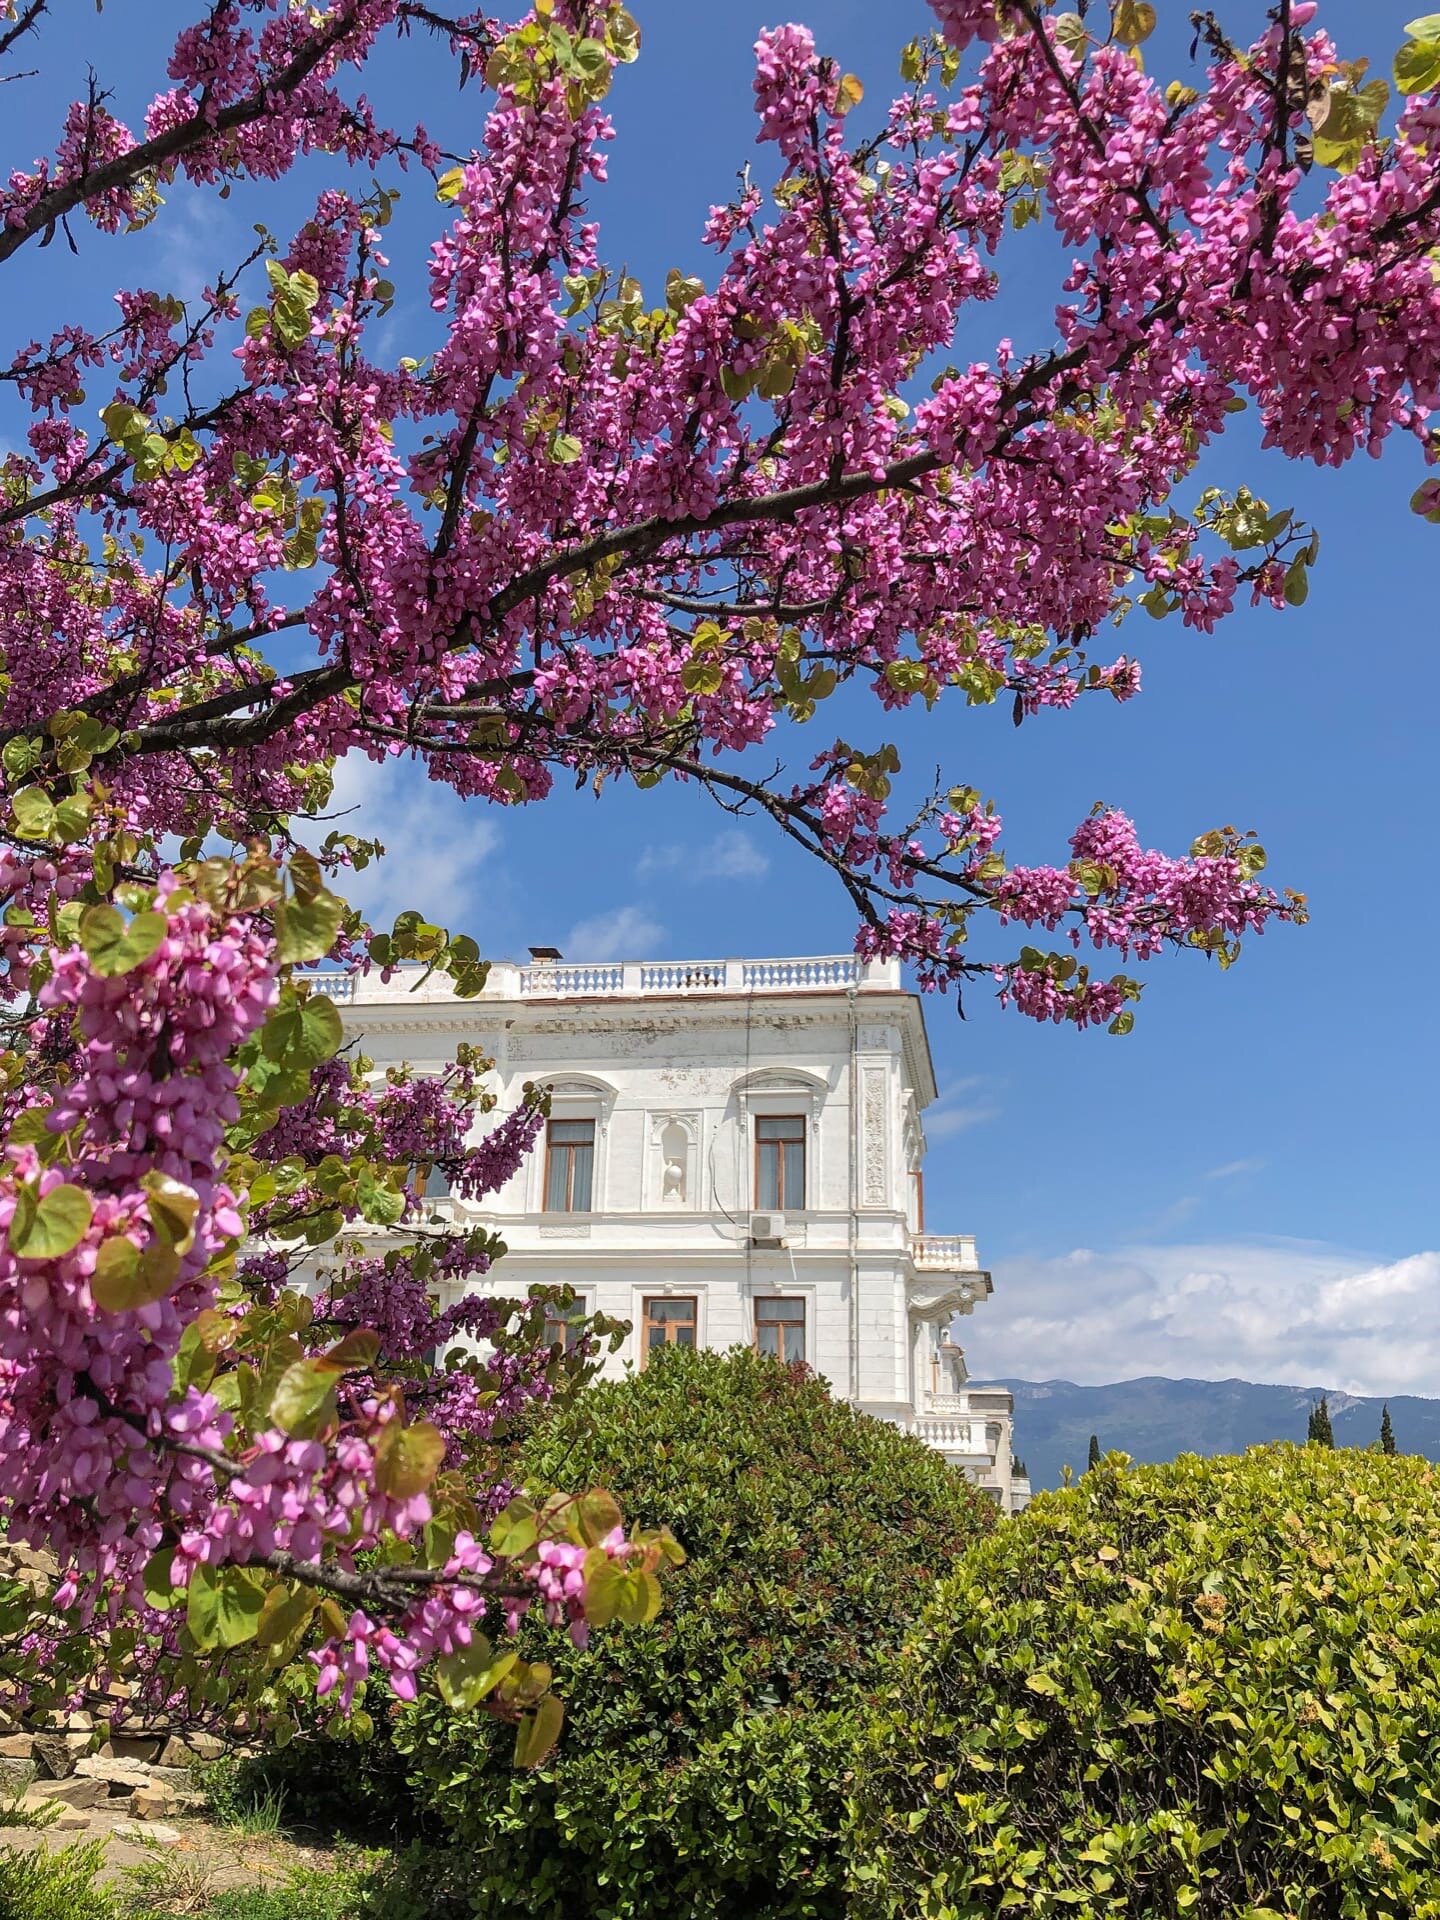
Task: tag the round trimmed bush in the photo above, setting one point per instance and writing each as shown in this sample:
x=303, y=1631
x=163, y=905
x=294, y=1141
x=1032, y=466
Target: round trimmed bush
x=1207, y=1689
x=705, y=1757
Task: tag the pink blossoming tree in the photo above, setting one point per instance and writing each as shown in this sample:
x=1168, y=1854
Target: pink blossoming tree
x=591, y=529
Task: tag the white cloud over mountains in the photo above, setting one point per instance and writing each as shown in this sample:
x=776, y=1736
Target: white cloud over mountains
x=1286, y=1311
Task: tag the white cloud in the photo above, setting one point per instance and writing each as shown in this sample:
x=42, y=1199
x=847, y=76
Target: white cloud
x=625, y=933
x=1233, y=1167
x=731, y=855
x=435, y=842
x=952, y=1113
x=1287, y=1311
x=196, y=239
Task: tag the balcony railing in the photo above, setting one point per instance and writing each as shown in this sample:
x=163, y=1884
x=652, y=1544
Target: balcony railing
x=624, y=979
x=334, y=986
x=561, y=979
x=944, y=1252
x=980, y=1402
x=948, y=1434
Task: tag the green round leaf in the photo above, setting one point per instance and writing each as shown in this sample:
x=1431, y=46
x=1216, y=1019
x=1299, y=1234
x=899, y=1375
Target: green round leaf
x=303, y=1033
x=538, y=1732
x=303, y=1396
x=464, y=1678
x=173, y=1207
x=159, y=1593
x=223, y=1606
x=1134, y=21
x=115, y=947
x=306, y=930
x=46, y=1229
x=1417, y=66
x=408, y=1459
x=34, y=814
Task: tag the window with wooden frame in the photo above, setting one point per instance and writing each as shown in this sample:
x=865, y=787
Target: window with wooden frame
x=429, y=1181
x=780, y=1328
x=780, y=1161
x=562, y=1324
x=669, y=1321
x=569, y=1166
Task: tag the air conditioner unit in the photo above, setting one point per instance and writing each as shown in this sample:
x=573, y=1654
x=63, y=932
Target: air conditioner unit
x=767, y=1229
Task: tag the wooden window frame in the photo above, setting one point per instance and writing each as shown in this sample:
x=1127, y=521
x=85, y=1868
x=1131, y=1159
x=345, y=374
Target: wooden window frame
x=564, y=1318
x=666, y=1299
x=784, y=1204
x=568, y=1147
x=790, y=1321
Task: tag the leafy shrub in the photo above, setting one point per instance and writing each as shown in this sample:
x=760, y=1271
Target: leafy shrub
x=1206, y=1689
x=325, y=1780
x=54, y=1886
x=701, y=1768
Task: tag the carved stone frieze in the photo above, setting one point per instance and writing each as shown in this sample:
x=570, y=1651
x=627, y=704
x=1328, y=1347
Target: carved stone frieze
x=874, y=1152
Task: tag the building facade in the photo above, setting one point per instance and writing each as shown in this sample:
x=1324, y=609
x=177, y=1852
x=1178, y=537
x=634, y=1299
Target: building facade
x=734, y=1154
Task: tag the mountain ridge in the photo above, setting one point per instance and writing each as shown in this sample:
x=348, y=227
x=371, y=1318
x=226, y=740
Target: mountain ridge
x=1154, y=1418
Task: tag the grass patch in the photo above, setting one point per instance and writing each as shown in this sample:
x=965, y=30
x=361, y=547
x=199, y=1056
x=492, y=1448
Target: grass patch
x=13, y=1811
x=54, y=1886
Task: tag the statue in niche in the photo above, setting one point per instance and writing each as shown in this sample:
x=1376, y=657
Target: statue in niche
x=674, y=1158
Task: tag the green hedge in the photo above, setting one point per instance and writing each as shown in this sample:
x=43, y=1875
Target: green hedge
x=704, y=1760
x=1201, y=1690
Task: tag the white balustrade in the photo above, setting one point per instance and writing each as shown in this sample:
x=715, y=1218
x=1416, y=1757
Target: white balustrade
x=558, y=978
x=334, y=986
x=801, y=976
x=569, y=980
x=944, y=1252
x=692, y=976
x=948, y=1403
x=683, y=976
x=949, y=1435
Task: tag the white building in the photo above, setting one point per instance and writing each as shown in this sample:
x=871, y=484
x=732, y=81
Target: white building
x=734, y=1154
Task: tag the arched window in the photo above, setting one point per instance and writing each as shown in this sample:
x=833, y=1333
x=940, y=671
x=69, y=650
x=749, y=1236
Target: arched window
x=779, y=1112
x=570, y=1176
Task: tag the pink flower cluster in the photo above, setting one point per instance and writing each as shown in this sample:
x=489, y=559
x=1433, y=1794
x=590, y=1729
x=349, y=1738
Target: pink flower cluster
x=150, y=1094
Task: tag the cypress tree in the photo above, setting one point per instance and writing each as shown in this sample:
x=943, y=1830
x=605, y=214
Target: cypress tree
x=1320, y=1433
x=1387, y=1432
x=1094, y=1459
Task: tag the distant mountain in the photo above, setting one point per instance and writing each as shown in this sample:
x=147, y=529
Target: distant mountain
x=1156, y=1419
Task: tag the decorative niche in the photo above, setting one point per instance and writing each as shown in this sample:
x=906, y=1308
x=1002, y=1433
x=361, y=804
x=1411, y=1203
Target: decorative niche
x=673, y=1161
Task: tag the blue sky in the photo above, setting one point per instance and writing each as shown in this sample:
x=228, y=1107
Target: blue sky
x=1189, y=1199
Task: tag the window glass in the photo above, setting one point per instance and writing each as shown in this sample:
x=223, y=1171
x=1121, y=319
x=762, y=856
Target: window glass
x=780, y=1161
x=669, y=1322
x=562, y=1325
x=569, y=1165
x=780, y=1328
